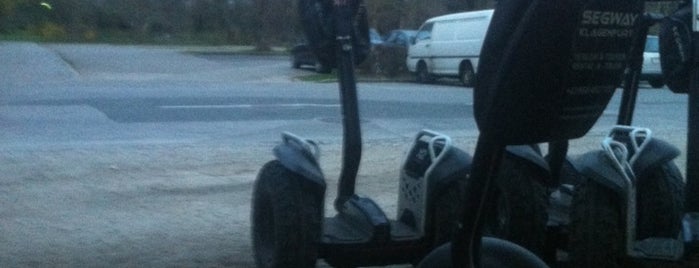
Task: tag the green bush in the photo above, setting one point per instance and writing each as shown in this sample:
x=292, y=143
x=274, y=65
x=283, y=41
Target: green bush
x=52, y=32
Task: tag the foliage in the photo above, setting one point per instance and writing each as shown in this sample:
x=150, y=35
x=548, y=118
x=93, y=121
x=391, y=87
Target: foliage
x=264, y=23
x=52, y=32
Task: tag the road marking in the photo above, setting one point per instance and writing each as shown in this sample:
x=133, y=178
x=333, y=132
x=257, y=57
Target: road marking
x=229, y=106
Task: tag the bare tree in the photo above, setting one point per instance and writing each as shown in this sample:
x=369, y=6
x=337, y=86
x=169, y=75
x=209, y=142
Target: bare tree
x=263, y=16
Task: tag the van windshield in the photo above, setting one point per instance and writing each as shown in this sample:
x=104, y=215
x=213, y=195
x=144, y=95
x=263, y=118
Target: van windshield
x=652, y=44
x=425, y=32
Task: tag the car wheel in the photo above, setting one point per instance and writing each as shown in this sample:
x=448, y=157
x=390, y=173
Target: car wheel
x=656, y=83
x=286, y=219
x=422, y=75
x=295, y=63
x=467, y=74
x=322, y=68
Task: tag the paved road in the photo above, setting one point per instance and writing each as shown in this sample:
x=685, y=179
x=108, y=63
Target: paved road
x=145, y=156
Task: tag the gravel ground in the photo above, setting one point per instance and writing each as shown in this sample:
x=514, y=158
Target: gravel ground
x=150, y=205
x=160, y=205
x=154, y=205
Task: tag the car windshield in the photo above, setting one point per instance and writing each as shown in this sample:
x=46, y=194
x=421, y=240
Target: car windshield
x=400, y=37
x=375, y=37
x=652, y=44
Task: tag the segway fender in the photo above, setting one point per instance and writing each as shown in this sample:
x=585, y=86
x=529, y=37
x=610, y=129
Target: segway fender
x=458, y=162
x=528, y=153
x=656, y=152
x=496, y=253
x=596, y=166
x=301, y=162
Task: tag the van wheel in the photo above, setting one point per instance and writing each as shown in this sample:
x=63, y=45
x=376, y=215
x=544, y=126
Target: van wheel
x=466, y=74
x=422, y=75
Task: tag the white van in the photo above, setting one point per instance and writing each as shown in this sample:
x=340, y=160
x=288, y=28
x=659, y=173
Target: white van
x=449, y=46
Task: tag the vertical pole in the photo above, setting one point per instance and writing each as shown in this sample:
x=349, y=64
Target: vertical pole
x=478, y=199
x=632, y=75
x=692, y=186
x=352, y=136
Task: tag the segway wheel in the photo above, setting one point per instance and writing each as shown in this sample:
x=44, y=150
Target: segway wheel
x=597, y=223
x=447, y=208
x=660, y=195
x=520, y=214
x=286, y=218
x=596, y=229
x=495, y=253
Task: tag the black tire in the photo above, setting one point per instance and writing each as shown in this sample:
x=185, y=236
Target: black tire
x=597, y=223
x=447, y=210
x=322, y=68
x=495, y=253
x=422, y=75
x=295, y=63
x=286, y=218
x=520, y=215
x=596, y=229
x=660, y=195
x=466, y=74
x=656, y=83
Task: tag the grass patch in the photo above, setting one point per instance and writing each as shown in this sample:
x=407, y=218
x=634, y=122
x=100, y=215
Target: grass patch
x=319, y=78
x=233, y=49
x=332, y=78
x=22, y=36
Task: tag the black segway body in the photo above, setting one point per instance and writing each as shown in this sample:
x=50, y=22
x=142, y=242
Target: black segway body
x=629, y=206
x=651, y=160
x=288, y=224
x=546, y=73
x=362, y=235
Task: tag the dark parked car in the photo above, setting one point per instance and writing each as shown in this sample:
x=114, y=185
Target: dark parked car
x=399, y=38
x=302, y=55
x=389, y=56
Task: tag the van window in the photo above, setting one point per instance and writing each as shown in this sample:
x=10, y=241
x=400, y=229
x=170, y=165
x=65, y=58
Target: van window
x=425, y=32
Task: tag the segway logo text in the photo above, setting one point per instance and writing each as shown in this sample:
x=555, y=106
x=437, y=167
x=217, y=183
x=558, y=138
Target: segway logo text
x=608, y=18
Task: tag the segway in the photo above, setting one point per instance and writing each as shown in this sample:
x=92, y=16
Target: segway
x=659, y=180
x=659, y=225
x=288, y=224
x=544, y=75
x=631, y=186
